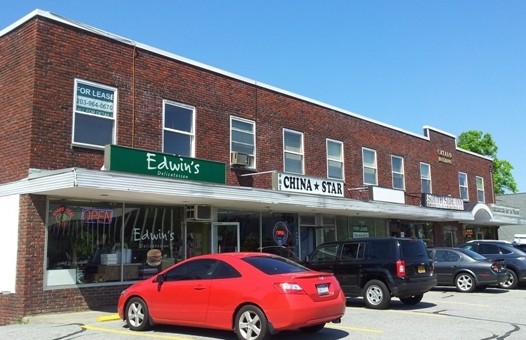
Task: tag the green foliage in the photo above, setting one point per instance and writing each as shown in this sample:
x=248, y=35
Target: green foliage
x=483, y=144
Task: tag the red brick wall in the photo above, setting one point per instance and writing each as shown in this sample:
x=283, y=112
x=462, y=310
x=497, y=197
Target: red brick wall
x=144, y=79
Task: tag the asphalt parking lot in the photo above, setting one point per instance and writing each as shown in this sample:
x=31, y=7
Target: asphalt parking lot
x=442, y=314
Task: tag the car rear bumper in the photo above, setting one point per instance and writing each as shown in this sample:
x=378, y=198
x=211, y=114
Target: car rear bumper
x=413, y=286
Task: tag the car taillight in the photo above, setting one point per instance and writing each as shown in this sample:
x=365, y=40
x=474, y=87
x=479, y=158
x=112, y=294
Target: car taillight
x=289, y=288
x=400, y=268
x=495, y=267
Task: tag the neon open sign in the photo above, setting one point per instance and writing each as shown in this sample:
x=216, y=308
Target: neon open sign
x=94, y=215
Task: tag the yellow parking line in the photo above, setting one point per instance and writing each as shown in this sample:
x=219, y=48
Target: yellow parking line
x=356, y=329
x=111, y=317
x=417, y=313
x=135, y=334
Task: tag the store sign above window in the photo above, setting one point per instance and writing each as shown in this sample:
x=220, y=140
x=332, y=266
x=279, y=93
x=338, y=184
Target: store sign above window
x=119, y=158
x=445, y=156
x=307, y=185
x=442, y=202
x=502, y=210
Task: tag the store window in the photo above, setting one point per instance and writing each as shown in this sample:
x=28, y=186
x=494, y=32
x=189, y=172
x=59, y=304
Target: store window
x=178, y=129
x=397, y=170
x=334, y=159
x=96, y=242
x=425, y=178
x=480, y=189
x=293, y=151
x=243, y=139
x=463, y=186
x=95, y=109
x=370, y=170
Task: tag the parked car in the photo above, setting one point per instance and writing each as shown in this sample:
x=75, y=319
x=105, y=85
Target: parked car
x=466, y=270
x=255, y=294
x=378, y=268
x=502, y=250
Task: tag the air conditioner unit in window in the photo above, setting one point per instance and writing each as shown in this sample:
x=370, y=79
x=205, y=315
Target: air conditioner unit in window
x=199, y=212
x=237, y=158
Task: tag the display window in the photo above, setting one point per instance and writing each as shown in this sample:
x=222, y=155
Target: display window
x=96, y=242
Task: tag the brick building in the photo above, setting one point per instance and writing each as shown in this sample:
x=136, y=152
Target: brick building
x=112, y=148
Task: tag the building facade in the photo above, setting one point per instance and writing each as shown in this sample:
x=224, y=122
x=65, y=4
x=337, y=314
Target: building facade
x=120, y=159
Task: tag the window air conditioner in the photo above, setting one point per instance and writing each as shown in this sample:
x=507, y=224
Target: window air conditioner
x=199, y=212
x=237, y=158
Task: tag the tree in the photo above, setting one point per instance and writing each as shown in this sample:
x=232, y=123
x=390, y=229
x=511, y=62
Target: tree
x=483, y=144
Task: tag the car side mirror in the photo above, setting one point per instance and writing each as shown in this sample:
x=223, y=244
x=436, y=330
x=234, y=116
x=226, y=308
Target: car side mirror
x=160, y=278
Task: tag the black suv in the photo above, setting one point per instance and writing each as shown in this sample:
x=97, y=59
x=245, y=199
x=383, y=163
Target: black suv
x=502, y=250
x=378, y=268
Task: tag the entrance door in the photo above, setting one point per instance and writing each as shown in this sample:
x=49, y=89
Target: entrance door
x=225, y=237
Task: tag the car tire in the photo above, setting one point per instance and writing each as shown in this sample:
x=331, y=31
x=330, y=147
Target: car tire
x=465, y=283
x=376, y=295
x=251, y=323
x=512, y=282
x=412, y=300
x=313, y=329
x=137, y=315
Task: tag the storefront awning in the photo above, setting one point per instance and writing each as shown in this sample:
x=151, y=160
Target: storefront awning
x=130, y=188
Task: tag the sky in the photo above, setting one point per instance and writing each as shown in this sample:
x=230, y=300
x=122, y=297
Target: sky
x=453, y=65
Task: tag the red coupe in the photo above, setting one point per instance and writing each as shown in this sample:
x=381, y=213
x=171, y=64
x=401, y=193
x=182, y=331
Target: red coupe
x=253, y=294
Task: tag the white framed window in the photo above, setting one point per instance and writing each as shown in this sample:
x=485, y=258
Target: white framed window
x=463, y=186
x=243, y=138
x=293, y=156
x=334, y=159
x=178, y=129
x=425, y=178
x=370, y=171
x=397, y=172
x=480, y=189
x=94, y=114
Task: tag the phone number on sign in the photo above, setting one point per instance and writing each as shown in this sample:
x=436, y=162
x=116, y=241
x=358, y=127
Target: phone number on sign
x=93, y=103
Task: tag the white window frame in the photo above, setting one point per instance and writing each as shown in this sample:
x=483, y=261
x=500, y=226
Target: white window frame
x=252, y=154
x=288, y=151
x=333, y=159
x=463, y=188
x=400, y=172
x=373, y=166
x=481, y=197
x=91, y=101
x=191, y=133
x=425, y=178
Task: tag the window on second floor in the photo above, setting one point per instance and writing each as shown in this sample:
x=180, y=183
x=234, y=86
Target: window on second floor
x=463, y=186
x=94, y=110
x=178, y=129
x=243, y=138
x=293, y=151
x=370, y=171
x=397, y=169
x=334, y=159
x=425, y=178
x=480, y=189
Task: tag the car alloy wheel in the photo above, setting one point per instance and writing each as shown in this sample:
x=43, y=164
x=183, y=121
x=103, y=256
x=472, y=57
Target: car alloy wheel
x=251, y=323
x=465, y=283
x=137, y=315
x=376, y=294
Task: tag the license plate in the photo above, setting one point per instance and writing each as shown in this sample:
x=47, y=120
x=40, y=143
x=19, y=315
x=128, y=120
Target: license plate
x=421, y=269
x=323, y=289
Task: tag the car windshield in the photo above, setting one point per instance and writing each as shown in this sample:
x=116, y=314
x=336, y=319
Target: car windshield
x=275, y=265
x=472, y=254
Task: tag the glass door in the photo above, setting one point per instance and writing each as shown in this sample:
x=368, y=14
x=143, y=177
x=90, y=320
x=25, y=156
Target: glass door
x=225, y=237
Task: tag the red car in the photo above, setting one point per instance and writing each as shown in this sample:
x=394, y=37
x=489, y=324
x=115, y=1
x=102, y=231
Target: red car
x=253, y=294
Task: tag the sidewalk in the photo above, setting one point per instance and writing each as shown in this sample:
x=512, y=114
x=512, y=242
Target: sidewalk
x=82, y=317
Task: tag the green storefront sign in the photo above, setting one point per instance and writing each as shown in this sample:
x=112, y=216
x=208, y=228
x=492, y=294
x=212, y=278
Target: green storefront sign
x=118, y=158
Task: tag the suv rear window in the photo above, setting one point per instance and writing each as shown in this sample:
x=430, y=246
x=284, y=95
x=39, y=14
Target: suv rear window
x=412, y=248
